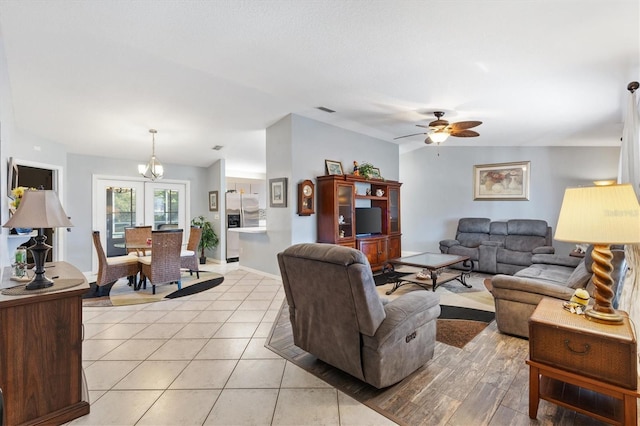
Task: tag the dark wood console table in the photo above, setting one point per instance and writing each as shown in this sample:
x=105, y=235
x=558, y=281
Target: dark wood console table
x=41, y=351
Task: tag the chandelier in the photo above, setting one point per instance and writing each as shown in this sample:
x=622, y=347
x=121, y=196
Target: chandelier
x=153, y=170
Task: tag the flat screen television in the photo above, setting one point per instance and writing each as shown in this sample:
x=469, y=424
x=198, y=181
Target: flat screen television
x=368, y=220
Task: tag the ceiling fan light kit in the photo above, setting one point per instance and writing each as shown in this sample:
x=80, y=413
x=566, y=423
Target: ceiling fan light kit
x=441, y=129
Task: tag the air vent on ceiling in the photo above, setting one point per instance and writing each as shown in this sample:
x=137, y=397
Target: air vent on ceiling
x=217, y=147
x=325, y=109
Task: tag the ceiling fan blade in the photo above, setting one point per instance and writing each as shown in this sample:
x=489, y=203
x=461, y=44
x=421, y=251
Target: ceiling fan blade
x=428, y=140
x=461, y=125
x=406, y=136
x=464, y=133
x=422, y=125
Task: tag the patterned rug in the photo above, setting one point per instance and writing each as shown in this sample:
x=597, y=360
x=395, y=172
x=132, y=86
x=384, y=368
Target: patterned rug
x=122, y=294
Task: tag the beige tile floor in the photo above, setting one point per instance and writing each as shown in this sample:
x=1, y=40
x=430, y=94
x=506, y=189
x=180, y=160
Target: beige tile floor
x=201, y=360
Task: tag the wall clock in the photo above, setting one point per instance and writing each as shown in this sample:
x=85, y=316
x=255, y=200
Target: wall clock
x=306, y=194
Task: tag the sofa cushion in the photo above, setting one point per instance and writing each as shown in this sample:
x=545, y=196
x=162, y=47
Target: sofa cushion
x=525, y=243
x=461, y=250
x=472, y=231
x=554, y=274
x=513, y=257
x=579, y=277
x=527, y=227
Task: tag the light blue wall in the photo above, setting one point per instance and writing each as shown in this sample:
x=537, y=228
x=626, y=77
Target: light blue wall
x=438, y=190
x=79, y=178
x=296, y=149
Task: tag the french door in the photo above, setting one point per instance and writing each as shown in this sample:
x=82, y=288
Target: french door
x=123, y=203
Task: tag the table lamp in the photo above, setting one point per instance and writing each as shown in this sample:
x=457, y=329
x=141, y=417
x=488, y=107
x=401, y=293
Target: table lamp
x=39, y=209
x=600, y=215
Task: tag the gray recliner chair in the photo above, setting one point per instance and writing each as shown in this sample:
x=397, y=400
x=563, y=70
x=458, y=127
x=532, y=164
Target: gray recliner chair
x=337, y=315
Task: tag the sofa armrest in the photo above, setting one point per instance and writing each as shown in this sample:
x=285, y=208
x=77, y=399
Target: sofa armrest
x=404, y=315
x=554, y=259
x=544, y=250
x=449, y=243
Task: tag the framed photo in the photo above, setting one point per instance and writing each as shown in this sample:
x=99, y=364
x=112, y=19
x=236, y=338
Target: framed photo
x=278, y=192
x=333, y=167
x=375, y=173
x=213, y=201
x=12, y=177
x=502, y=181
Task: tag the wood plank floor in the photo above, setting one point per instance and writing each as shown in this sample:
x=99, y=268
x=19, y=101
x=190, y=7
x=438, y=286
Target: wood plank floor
x=484, y=383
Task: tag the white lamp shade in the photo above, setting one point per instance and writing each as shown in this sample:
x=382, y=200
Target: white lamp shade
x=39, y=209
x=439, y=136
x=599, y=215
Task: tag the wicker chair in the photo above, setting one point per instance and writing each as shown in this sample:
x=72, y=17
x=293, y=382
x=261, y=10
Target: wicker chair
x=137, y=236
x=163, y=266
x=189, y=257
x=110, y=269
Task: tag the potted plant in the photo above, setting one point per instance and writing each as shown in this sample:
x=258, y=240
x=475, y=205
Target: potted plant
x=209, y=238
x=368, y=171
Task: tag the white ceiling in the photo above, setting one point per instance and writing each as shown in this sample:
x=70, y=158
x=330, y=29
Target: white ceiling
x=96, y=75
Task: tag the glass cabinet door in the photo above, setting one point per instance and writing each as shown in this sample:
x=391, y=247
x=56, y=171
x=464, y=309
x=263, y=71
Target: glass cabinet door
x=345, y=211
x=394, y=210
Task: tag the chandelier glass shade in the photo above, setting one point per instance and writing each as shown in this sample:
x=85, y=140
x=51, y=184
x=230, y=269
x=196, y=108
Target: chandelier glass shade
x=152, y=170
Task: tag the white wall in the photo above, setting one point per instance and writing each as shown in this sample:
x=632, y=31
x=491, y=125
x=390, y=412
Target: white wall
x=438, y=190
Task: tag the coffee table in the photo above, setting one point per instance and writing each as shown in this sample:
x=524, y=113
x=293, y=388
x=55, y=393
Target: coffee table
x=434, y=270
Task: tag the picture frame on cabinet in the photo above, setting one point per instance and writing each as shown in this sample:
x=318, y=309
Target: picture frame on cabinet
x=333, y=167
x=502, y=181
x=213, y=201
x=278, y=192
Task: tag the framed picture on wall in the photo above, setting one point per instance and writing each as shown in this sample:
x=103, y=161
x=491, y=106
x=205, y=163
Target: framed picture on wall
x=501, y=181
x=12, y=177
x=213, y=201
x=278, y=192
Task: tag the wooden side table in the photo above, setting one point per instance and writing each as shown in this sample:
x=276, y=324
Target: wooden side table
x=582, y=365
x=41, y=351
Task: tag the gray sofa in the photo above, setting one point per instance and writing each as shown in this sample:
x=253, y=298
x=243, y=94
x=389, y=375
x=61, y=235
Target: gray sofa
x=517, y=296
x=337, y=315
x=500, y=247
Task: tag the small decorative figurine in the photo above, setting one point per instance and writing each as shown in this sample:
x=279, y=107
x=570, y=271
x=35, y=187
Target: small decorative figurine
x=355, y=169
x=578, y=302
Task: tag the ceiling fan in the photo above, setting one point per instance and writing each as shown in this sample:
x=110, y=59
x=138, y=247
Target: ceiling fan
x=441, y=129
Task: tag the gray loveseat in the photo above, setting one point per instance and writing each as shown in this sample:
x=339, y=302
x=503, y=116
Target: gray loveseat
x=499, y=247
x=517, y=296
x=337, y=315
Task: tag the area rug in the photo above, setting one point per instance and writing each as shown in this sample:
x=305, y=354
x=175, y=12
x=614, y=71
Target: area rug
x=457, y=326
x=395, y=402
x=122, y=294
x=452, y=293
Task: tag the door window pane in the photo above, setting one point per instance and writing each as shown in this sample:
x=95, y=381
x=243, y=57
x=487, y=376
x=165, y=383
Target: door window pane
x=121, y=213
x=165, y=208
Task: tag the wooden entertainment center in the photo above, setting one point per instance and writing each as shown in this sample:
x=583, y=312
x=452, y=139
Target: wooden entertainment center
x=338, y=198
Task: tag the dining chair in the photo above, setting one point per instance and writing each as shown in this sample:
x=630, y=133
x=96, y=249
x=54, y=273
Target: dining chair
x=163, y=266
x=136, y=239
x=189, y=256
x=111, y=269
